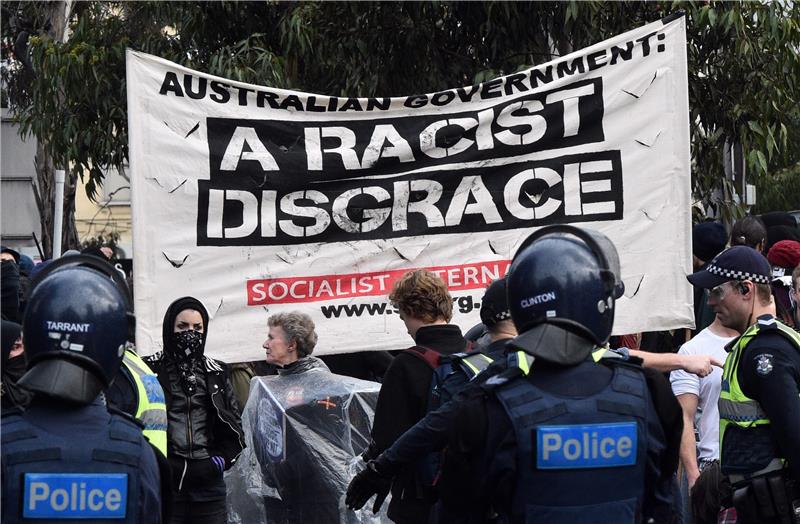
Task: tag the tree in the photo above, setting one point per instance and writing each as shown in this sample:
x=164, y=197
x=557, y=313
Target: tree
x=743, y=64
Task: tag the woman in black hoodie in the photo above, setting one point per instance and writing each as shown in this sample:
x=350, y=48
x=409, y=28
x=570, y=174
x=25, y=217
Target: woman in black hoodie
x=13, y=367
x=204, y=427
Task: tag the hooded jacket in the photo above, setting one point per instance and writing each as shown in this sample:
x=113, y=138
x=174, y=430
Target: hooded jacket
x=222, y=435
x=13, y=396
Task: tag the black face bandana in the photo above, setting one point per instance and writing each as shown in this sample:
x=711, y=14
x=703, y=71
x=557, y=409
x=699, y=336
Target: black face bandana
x=186, y=349
x=187, y=345
x=12, y=394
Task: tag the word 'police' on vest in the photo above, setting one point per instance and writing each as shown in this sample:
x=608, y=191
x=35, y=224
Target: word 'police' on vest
x=586, y=446
x=75, y=495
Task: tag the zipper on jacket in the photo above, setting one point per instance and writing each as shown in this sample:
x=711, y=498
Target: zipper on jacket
x=183, y=475
x=189, y=424
x=239, y=436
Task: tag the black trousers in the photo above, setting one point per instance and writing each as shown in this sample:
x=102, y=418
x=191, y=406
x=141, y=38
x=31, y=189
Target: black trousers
x=207, y=512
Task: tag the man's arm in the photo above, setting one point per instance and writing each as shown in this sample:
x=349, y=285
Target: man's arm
x=688, y=453
x=431, y=433
x=664, y=362
x=663, y=457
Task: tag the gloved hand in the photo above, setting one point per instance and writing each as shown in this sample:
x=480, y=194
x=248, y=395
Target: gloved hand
x=219, y=462
x=368, y=482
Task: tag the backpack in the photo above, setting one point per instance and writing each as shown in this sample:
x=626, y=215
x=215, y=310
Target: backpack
x=450, y=373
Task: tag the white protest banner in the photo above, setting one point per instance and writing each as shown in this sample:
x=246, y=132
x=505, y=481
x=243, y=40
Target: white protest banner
x=258, y=200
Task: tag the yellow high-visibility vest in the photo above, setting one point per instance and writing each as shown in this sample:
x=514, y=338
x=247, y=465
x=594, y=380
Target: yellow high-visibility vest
x=151, y=409
x=736, y=408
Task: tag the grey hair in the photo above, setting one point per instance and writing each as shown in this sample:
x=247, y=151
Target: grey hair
x=298, y=328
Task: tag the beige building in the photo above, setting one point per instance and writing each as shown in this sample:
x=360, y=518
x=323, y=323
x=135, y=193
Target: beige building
x=110, y=215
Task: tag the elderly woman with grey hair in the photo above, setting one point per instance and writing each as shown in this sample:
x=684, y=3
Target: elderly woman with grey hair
x=290, y=342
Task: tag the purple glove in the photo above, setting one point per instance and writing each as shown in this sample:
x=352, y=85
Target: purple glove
x=219, y=462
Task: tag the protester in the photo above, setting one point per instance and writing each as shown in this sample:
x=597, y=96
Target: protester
x=14, y=397
x=290, y=342
x=308, y=474
x=796, y=297
x=780, y=226
x=426, y=308
x=365, y=365
x=700, y=394
x=464, y=368
x=749, y=231
x=9, y=284
x=784, y=257
x=693, y=392
x=759, y=405
x=241, y=375
x=777, y=233
x=708, y=240
x=204, y=436
x=66, y=451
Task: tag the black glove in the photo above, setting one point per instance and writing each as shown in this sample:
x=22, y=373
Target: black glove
x=370, y=481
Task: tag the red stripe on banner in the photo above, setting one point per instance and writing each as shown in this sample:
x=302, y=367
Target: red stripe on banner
x=331, y=287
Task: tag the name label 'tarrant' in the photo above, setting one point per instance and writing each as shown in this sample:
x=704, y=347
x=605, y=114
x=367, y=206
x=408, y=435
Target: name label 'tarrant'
x=72, y=327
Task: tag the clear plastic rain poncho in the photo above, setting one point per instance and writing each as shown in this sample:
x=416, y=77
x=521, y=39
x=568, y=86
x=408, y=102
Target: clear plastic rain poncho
x=304, y=435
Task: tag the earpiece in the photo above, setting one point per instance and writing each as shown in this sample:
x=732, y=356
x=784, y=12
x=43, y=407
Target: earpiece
x=743, y=289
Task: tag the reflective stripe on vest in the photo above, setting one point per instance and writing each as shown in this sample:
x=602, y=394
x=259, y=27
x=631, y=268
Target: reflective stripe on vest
x=736, y=408
x=476, y=362
x=150, y=408
x=521, y=360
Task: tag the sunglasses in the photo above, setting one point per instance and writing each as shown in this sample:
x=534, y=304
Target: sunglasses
x=718, y=293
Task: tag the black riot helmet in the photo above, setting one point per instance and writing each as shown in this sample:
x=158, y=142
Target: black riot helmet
x=77, y=324
x=565, y=276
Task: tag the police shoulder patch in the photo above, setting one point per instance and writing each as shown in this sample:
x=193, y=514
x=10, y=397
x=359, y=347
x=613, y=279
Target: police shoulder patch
x=586, y=446
x=763, y=364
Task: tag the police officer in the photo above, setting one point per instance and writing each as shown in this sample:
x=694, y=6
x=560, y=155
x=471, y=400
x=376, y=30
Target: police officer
x=66, y=456
x=759, y=404
x=563, y=436
x=601, y=449
x=137, y=392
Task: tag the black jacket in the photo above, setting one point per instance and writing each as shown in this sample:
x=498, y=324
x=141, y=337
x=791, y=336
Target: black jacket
x=227, y=437
x=402, y=402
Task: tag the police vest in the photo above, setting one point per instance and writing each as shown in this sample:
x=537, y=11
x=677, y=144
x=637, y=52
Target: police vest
x=52, y=477
x=578, y=455
x=746, y=444
x=151, y=409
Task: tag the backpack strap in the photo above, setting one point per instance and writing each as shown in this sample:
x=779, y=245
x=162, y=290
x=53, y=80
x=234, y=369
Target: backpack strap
x=429, y=356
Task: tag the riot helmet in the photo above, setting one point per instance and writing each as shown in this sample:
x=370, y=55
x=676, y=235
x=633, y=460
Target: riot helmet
x=77, y=324
x=565, y=276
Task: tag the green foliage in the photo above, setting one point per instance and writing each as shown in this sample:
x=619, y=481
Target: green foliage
x=743, y=64
x=779, y=192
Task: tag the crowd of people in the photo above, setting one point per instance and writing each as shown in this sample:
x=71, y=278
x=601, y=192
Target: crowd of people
x=538, y=414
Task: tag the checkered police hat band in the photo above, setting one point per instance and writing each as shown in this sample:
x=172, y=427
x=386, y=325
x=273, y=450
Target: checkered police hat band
x=734, y=274
x=503, y=315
